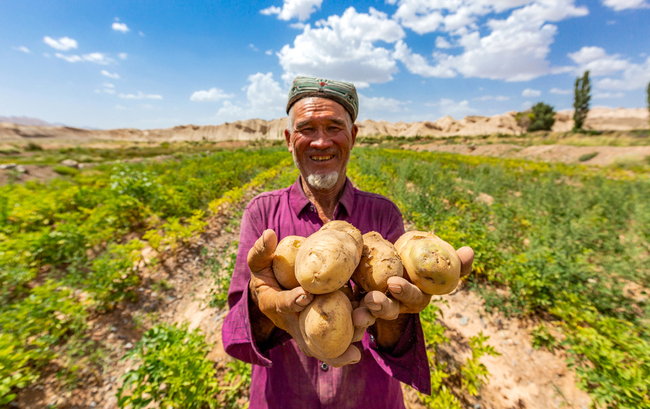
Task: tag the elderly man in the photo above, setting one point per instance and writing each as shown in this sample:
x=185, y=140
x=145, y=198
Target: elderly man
x=262, y=325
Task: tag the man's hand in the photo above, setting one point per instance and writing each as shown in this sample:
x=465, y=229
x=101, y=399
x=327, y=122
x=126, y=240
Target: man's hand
x=406, y=299
x=282, y=307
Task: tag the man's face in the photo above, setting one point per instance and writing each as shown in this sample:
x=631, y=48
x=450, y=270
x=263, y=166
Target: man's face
x=320, y=140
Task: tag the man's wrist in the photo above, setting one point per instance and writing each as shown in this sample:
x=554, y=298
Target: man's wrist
x=261, y=326
x=388, y=332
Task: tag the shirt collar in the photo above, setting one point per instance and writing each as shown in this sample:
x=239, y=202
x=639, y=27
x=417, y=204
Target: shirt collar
x=298, y=200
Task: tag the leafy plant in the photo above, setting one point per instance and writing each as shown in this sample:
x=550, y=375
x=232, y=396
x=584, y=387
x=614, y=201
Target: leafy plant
x=172, y=371
x=582, y=95
x=543, y=338
x=31, y=147
x=65, y=170
x=587, y=156
x=542, y=117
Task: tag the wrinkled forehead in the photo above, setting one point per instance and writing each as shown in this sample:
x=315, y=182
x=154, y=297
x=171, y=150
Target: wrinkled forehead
x=316, y=108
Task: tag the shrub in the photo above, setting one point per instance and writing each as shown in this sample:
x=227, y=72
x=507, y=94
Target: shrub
x=173, y=371
x=543, y=118
x=587, y=156
x=33, y=147
x=65, y=170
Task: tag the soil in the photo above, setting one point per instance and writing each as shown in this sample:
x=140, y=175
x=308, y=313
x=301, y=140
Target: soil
x=605, y=155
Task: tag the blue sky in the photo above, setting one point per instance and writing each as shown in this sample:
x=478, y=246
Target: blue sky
x=152, y=64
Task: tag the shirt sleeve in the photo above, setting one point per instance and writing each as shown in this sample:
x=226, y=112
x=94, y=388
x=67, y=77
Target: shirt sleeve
x=237, y=336
x=408, y=361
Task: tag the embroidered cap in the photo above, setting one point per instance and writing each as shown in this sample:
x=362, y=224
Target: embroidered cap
x=342, y=92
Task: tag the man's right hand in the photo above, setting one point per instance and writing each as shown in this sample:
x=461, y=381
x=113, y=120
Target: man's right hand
x=282, y=307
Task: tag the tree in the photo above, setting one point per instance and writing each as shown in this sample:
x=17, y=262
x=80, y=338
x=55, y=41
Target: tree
x=542, y=118
x=581, y=101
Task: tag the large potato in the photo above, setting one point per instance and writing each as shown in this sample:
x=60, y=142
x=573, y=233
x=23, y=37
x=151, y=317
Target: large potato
x=379, y=262
x=431, y=263
x=342, y=225
x=284, y=261
x=326, y=260
x=326, y=325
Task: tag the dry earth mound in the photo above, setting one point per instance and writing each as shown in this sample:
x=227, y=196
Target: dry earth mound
x=620, y=119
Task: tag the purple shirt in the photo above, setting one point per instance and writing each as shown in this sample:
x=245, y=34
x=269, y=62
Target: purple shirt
x=282, y=376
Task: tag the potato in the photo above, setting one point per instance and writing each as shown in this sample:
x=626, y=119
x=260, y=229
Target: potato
x=379, y=262
x=327, y=259
x=430, y=263
x=342, y=225
x=326, y=325
x=284, y=261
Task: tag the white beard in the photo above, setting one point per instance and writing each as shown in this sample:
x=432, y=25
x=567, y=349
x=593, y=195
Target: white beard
x=319, y=182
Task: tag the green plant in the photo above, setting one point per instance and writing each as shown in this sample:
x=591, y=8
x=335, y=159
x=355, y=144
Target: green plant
x=474, y=373
x=171, y=371
x=543, y=117
x=222, y=273
x=236, y=384
x=587, y=156
x=65, y=170
x=582, y=95
x=543, y=338
x=31, y=146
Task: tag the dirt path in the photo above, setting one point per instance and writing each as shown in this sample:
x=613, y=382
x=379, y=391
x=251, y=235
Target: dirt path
x=604, y=155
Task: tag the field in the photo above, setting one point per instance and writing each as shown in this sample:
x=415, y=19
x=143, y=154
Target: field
x=92, y=261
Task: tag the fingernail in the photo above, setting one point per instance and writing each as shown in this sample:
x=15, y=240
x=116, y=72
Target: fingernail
x=374, y=307
x=302, y=300
x=395, y=289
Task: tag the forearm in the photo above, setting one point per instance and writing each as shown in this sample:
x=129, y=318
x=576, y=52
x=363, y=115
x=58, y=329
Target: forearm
x=389, y=332
x=261, y=326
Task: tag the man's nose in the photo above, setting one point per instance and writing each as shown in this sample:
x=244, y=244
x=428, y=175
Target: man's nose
x=321, y=140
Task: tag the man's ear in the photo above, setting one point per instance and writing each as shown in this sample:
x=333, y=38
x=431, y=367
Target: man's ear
x=287, y=137
x=354, y=131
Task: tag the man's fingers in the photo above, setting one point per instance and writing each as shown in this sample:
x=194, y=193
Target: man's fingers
x=362, y=317
x=260, y=255
x=351, y=356
x=293, y=300
x=413, y=300
x=466, y=256
x=382, y=306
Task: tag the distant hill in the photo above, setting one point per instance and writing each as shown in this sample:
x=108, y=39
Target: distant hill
x=25, y=120
x=602, y=119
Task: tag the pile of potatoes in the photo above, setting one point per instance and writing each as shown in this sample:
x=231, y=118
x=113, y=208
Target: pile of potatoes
x=324, y=263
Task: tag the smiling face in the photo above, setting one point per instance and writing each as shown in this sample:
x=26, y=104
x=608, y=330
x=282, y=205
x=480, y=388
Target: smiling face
x=320, y=139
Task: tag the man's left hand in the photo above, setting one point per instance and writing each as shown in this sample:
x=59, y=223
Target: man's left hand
x=406, y=297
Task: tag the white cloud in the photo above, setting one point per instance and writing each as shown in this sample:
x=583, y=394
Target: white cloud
x=606, y=95
x=62, y=44
x=268, y=52
x=118, y=106
x=123, y=56
x=252, y=46
x=109, y=91
x=141, y=33
x=114, y=75
x=531, y=93
x=597, y=61
x=442, y=42
x=560, y=91
x=527, y=105
x=265, y=100
x=108, y=85
x=635, y=76
x=69, y=58
x=343, y=47
x=212, y=95
x=380, y=104
x=140, y=95
x=97, y=58
x=619, y=5
x=500, y=98
x=23, y=49
x=120, y=27
x=46, y=55
x=454, y=109
x=300, y=9
x=514, y=50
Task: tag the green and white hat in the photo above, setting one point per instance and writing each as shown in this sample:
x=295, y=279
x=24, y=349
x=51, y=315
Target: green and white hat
x=342, y=92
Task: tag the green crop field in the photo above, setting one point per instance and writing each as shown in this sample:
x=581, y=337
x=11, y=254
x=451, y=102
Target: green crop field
x=569, y=245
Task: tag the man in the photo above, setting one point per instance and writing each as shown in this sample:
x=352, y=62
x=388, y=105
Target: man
x=262, y=324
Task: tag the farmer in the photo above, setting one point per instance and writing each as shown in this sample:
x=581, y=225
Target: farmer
x=262, y=325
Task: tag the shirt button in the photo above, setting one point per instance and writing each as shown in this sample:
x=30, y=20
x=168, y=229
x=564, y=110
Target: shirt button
x=312, y=208
x=372, y=338
x=324, y=366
